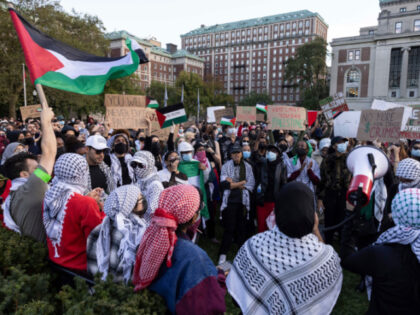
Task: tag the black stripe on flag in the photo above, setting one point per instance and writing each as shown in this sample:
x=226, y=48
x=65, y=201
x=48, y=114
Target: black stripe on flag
x=67, y=51
x=172, y=108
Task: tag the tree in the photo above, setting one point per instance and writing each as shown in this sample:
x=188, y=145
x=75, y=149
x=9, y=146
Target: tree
x=308, y=71
x=254, y=98
x=82, y=31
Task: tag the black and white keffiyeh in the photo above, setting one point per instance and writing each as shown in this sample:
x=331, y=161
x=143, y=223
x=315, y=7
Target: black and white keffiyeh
x=148, y=180
x=116, y=170
x=105, y=169
x=118, y=209
x=409, y=169
x=71, y=176
x=276, y=274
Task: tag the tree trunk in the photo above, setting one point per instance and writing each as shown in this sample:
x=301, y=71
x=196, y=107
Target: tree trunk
x=12, y=104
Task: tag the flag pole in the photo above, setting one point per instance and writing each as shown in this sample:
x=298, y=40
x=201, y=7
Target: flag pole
x=24, y=85
x=41, y=95
x=198, y=105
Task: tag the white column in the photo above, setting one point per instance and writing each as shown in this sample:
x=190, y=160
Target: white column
x=404, y=72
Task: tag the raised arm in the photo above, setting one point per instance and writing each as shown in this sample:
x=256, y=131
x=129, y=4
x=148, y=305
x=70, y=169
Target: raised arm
x=48, y=142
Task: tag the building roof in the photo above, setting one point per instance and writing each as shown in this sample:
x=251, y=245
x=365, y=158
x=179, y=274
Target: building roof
x=255, y=22
x=381, y=2
x=155, y=49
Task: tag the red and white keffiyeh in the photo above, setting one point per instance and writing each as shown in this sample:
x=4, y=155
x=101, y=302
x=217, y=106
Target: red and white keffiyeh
x=177, y=205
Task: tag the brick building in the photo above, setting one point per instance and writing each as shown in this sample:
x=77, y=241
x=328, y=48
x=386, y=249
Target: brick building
x=164, y=64
x=249, y=55
x=383, y=62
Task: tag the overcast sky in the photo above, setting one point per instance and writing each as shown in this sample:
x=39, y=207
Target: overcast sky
x=168, y=19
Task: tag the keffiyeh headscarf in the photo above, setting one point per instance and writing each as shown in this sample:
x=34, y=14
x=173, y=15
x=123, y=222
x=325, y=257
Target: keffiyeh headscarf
x=116, y=170
x=118, y=208
x=177, y=205
x=409, y=169
x=71, y=176
x=406, y=216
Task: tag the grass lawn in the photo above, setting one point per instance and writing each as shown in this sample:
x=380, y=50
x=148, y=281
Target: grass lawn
x=349, y=302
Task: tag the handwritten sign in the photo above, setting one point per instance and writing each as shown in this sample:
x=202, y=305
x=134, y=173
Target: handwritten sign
x=128, y=117
x=260, y=117
x=30, y=111
x=286, y=117
x=227, y=112
x=125, y=100
x=246, y=113
x=333, y=105
x=380, y=125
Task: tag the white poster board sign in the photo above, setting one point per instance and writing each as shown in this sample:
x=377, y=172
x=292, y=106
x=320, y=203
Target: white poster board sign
x=210, y=113
x=346, y=124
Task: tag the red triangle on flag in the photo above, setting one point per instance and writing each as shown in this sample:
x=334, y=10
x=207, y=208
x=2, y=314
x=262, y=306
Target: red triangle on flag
x=161, y=118
x=233, y=121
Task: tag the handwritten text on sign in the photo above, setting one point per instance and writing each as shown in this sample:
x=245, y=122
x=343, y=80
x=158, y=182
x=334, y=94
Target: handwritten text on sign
x=125, y=100
x=286, y=117
x=129, y=117
x=30, y=111
x=381, y=125
x=246, y=113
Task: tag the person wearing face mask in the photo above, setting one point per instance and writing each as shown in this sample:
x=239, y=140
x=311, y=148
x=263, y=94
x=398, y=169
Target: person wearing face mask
x=170, y=175
x=332, y=189
x=121, y=172
x=302, y=168
x=246, y=152
x=415, y=151
x=140, y=140
x=273, y=178
x=322, y=150
x=227, y=143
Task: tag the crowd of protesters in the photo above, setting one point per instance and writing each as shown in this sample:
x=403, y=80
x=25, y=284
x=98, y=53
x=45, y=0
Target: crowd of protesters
x=124, y=203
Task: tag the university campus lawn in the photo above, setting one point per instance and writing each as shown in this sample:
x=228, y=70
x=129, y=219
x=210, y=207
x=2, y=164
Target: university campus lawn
x=350, y=301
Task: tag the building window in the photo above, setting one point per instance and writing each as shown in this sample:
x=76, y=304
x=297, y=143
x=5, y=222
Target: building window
x=357, y=55
x=398, y=28
x=395, y=68
x=413, y=67
x=350, y=55
x=402, y=10
x=371, y=32
x=416, y=25
x=352, y=83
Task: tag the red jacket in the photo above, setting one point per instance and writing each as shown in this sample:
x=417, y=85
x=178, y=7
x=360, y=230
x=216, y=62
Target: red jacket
x=3, y=197
x=82, y=216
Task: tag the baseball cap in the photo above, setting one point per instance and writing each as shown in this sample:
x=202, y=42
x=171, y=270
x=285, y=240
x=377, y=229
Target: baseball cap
x=338, y=139
x=324, y=143
x=236, y=148
x=97, y=142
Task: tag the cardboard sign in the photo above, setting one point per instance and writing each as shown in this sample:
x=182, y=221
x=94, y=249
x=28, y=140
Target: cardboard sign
x=333, y=105
x=380, y=125
x=286, y=117
x=260, y=117
x=227, y=112
x=347, y=124
x=30, y=111
x=210, y=113
x=246, y=113
x=129, y=117
x=412, y=128
x=125, y=100
x=383, y=105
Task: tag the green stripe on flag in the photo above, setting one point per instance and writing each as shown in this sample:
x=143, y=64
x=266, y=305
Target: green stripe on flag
x=175, y=121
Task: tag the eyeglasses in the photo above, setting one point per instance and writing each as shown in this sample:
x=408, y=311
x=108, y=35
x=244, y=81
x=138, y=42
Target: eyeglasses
x=136, y=165
x=173, y=160
x=100, y=151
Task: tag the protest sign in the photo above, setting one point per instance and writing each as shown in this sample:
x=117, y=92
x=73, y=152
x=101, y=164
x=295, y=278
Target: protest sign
x=260, y=117
x=380, y=125
x=412, y=128
x=333, y=105
x=286, y=117
x=347, y=124
x=383, y=105
x=30, y=111
x=125, y=100
x=246, y=113
x=210, y=113
x=128, y=117
x=227, y=112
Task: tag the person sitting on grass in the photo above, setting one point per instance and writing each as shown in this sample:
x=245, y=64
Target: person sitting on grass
x=171, y=265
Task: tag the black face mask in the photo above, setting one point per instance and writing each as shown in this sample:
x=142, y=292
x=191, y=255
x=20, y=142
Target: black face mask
x=253, y=136
x=155, y=148
x=142, y=139
x=283, y=147
x=121, y=148
x=262, y=146
x=300, y=152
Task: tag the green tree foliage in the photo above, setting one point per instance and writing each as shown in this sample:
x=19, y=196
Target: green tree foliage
x=211, y=93
x=79, y=30
x=254, y=98
x=308, y=71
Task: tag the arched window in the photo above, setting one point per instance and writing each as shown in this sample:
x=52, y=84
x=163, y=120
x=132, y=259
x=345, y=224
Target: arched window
x=353, y=83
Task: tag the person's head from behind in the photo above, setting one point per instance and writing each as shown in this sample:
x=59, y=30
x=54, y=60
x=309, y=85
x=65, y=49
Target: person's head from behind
x=294, y=210
x=406, y=209
x=125, y=200
x=22, y=164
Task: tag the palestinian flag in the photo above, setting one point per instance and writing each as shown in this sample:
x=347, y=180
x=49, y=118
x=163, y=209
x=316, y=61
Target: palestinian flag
x=174, y=114
x=262, y=108
x=228, y=121
x=57, y=65
x=195, y=178
x=152, y=103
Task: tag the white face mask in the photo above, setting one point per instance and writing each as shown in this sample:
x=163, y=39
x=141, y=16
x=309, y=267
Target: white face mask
x=342, y=147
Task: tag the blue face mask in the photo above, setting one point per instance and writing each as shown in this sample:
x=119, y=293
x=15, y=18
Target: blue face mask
x=187, y=157
x=342, y=147
x=271, y=156
x=219, y=129
x=415, y=153
x=246, y=154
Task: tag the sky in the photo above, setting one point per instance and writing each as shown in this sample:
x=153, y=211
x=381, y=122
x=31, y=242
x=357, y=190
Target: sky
x=168, y=19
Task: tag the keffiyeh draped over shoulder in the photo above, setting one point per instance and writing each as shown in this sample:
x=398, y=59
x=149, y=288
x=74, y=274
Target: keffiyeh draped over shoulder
x=406, y=216
x=71, y=176
x=148, y=180
x=118, y=209
x=277, y=274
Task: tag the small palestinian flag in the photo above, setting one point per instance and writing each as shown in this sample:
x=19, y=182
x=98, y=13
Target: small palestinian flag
x=169, y=115
x=228, y=121
x=262, y=108
x=152, y=103
x=60, y=66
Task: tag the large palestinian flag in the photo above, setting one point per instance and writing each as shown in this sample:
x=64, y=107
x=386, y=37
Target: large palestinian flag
x=174, y=114
x=55, y=64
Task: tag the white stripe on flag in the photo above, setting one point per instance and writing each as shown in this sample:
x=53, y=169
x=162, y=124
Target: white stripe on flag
x=175, y=114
